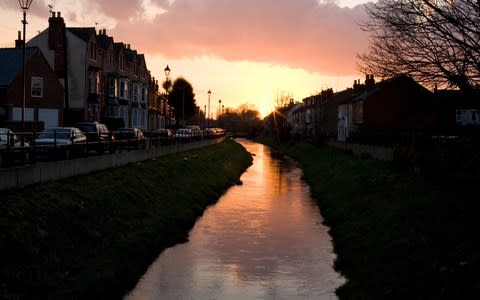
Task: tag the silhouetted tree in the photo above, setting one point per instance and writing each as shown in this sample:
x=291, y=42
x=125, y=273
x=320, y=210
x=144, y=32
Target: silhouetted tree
x=182, y=99
x=283, y=98
x=434, y=41
x=243, y=120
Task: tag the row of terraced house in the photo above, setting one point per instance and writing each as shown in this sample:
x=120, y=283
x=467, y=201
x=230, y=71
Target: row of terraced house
x=75, y=74
x=379, y=112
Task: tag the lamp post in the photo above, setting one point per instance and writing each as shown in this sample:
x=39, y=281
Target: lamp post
x=24, y=5
x=208, y=116
x=219, y=109
x=167, y=87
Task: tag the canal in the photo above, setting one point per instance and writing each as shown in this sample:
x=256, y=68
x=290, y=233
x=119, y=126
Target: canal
x=263, y=239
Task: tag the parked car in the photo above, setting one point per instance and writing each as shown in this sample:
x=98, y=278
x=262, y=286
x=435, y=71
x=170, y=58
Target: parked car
x=131, y=138
x=61, y=140
x=99, y=138
x=196, y=131
x=12, y=148
x=183, y=135
x=214, y=132
x=163, y=136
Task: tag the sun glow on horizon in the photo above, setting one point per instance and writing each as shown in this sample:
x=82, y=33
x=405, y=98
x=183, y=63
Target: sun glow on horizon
x=244, y=82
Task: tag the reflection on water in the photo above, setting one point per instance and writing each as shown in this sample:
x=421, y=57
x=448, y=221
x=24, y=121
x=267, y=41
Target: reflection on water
x=262, y=240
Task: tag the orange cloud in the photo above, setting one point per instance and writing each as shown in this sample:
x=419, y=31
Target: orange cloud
x=316, y=36
x=301, y=34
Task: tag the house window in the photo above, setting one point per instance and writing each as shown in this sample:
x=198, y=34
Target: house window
x=112, y=87
x=459, y=115
x=123, y=89
x=135, y=93
x=37, y=87
x=121, y=63
x=144, y=94
x=94, y=82
x=111, y=57
x=93, y=51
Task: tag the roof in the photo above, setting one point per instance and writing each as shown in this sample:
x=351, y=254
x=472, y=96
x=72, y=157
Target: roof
x=105, y=41
x=294, y=109
x=11, y=62
x=402, y=79
x=83, y=33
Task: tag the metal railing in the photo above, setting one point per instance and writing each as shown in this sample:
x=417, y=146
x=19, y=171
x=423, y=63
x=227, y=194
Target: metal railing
x=24, y=148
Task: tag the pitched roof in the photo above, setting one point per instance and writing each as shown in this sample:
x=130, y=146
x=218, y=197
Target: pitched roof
x=83, y=33
x=104, y=41
x=404, y=80
x=11, y=62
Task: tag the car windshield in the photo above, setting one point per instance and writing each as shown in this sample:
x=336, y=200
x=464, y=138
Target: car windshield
x=55, y=133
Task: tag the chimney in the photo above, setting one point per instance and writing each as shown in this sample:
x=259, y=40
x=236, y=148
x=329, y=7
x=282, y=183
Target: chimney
x=57, y=42
x=369, y=82
x=104, y=31
x=19, y=41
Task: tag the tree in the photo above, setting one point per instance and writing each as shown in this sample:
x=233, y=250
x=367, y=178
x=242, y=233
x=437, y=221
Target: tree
x=434, y=41
x=283, y=99
x=182, y=99
x=243, y=120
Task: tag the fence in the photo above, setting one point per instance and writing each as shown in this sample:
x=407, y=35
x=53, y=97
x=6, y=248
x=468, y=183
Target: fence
x=40, y=172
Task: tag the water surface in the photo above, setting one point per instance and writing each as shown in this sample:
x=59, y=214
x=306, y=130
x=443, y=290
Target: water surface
x=262, y=240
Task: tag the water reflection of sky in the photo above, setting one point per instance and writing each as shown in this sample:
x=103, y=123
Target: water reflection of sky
x=262, y=240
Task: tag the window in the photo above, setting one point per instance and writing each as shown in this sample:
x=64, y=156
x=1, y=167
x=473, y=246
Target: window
x=94, y=82
x=123, y=91
x=37, y=87
x=459, y=115
x=92, y=51
x=144, y=94
x=135, y=93
x=112, y=87
x=111, y=57
x=121, y=62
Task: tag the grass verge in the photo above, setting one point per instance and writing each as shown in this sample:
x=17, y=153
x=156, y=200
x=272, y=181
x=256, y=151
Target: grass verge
x=93, y=236
x=396, y=234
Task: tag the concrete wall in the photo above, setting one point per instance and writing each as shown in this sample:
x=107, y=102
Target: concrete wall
x=19, y=177
x=375, y=152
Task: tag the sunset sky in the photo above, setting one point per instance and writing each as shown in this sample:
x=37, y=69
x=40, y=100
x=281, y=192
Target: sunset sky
x=243, y=51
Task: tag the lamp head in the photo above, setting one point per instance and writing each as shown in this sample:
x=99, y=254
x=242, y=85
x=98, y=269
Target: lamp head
x=167, y=71
x=25, y=4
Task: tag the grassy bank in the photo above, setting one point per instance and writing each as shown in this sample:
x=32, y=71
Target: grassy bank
x=396, y=234
x=92, y=237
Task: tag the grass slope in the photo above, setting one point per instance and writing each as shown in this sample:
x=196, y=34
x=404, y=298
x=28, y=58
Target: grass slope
x=397, y=235
x=92, y=237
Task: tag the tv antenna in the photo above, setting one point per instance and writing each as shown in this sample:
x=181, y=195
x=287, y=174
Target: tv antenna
x=51, y=8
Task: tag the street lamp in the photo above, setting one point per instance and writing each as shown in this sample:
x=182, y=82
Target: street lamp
x=219, y=109
x=208, y=116
x=167, y=87
x=24, y=5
